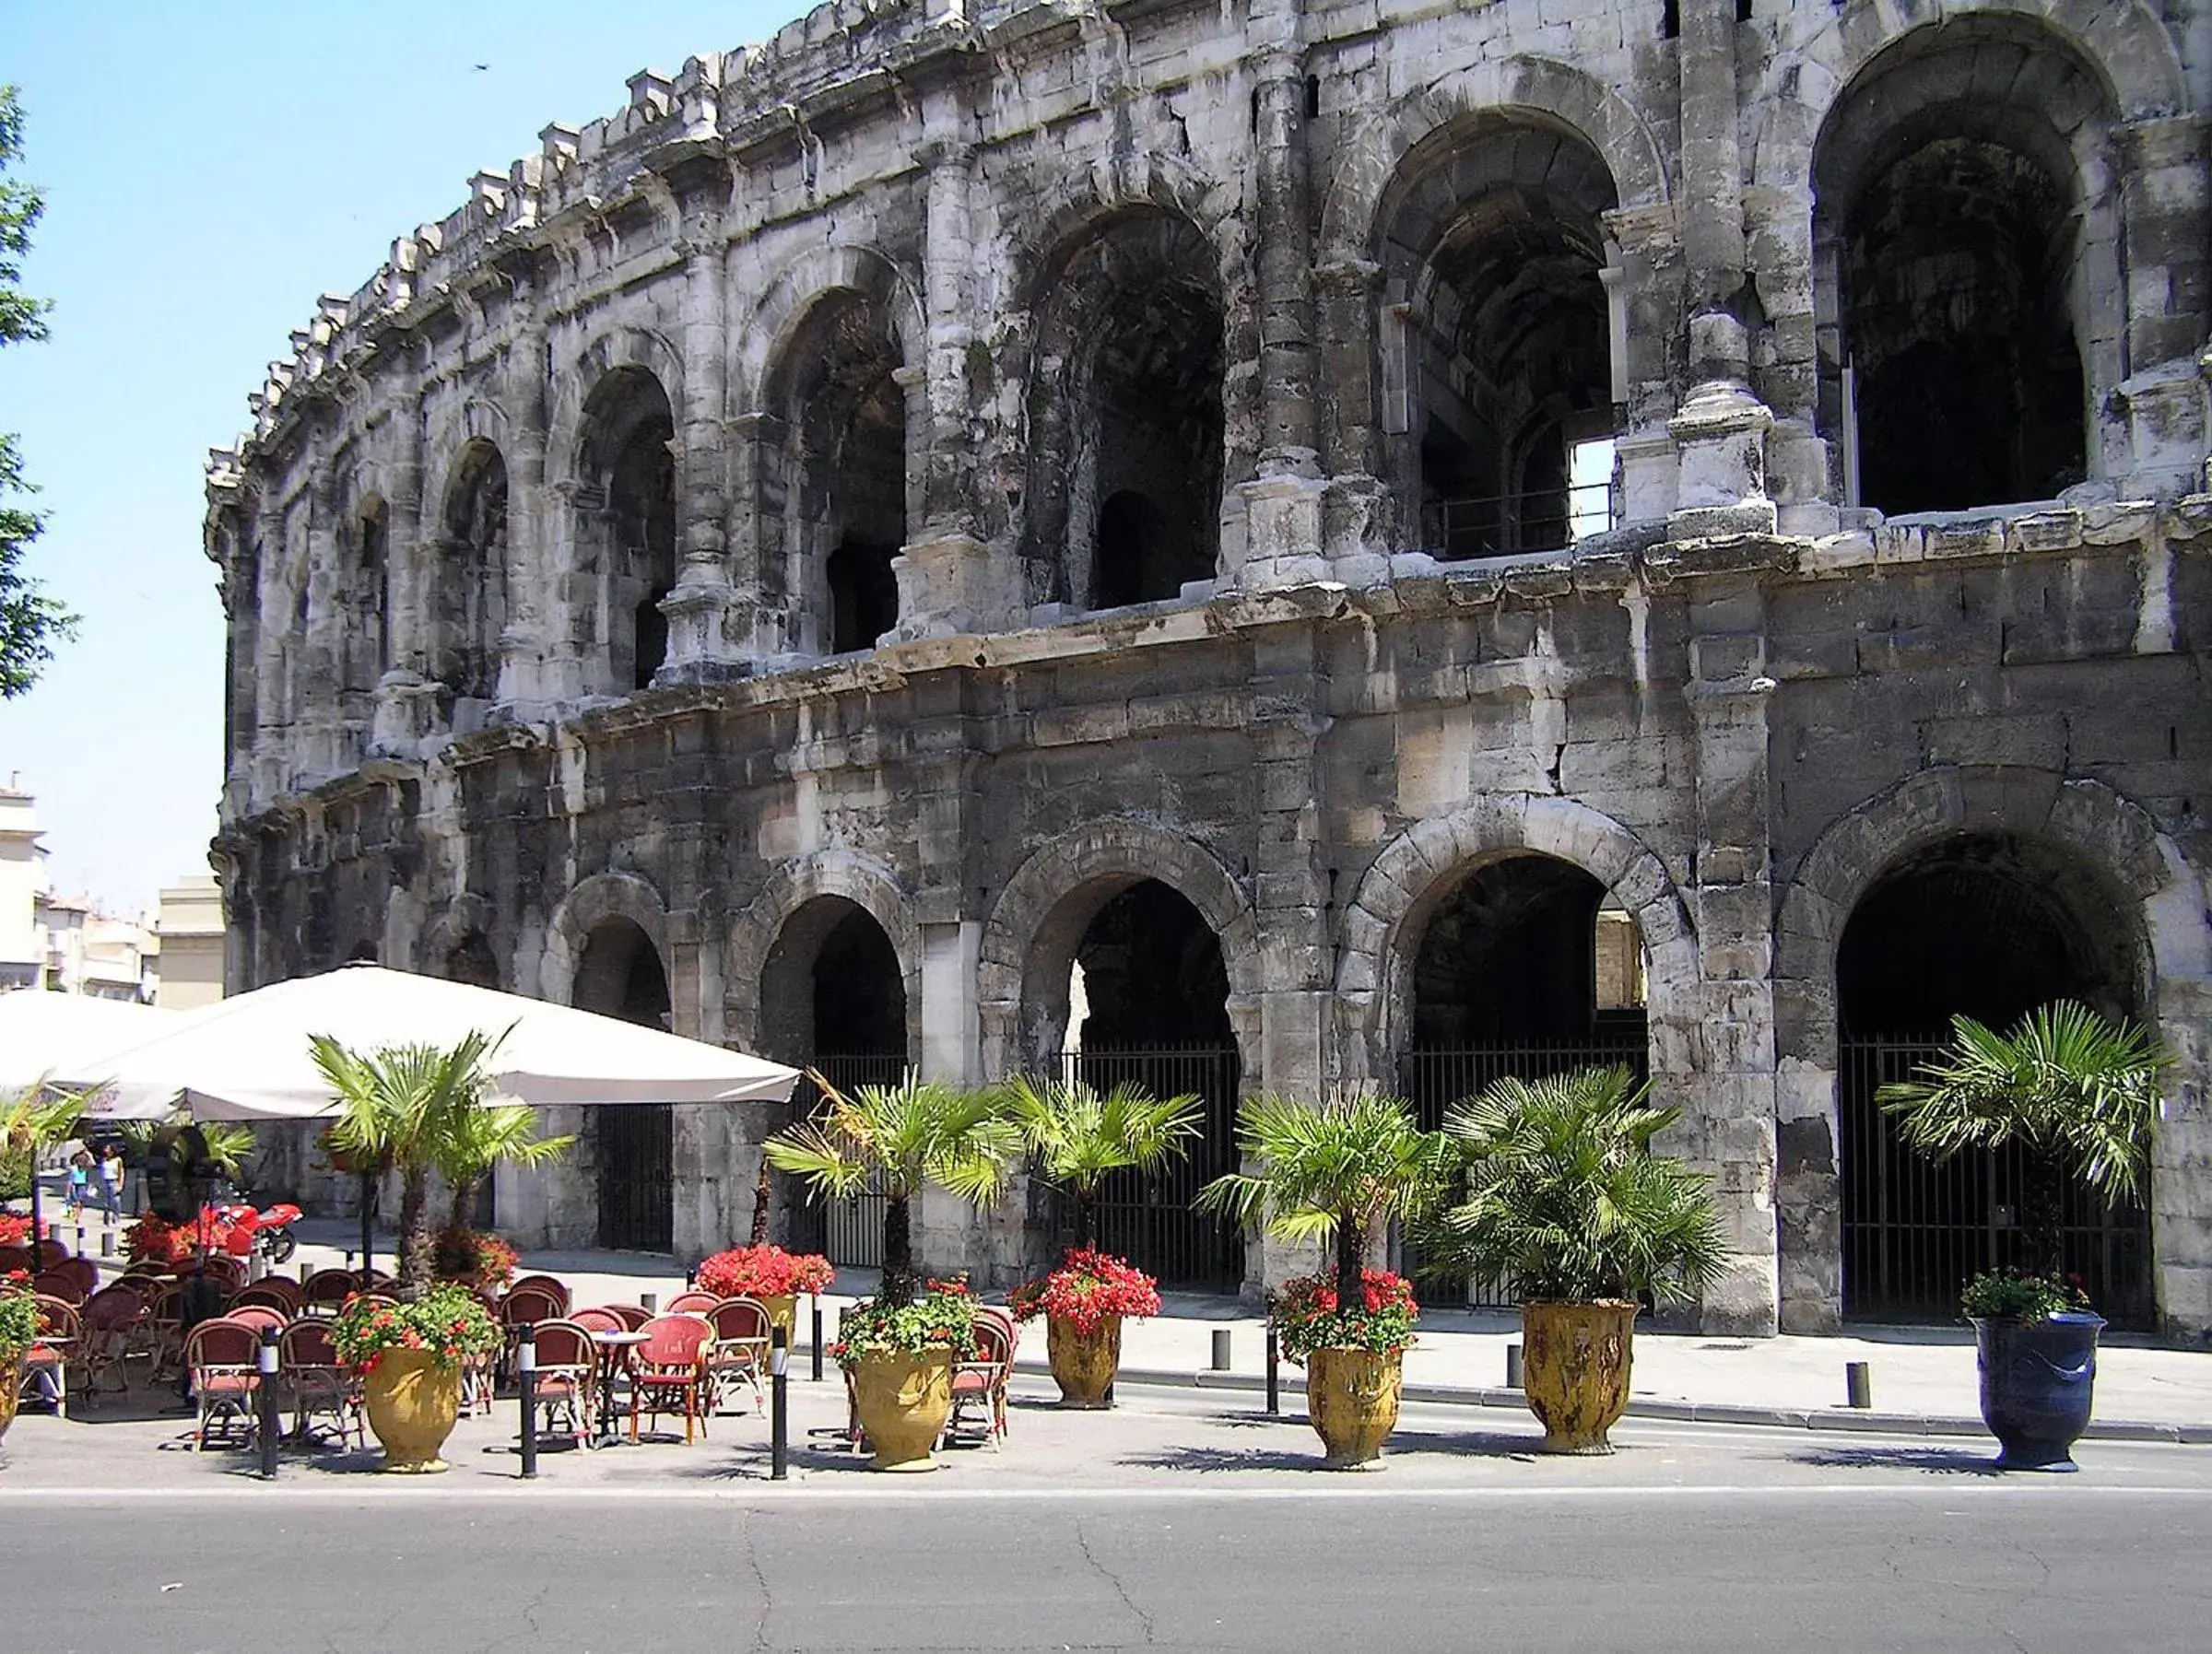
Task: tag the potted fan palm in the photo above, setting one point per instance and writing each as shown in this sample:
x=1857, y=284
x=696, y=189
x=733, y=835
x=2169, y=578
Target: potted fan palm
x=1563, y=1196
x=2078, y=1094
x=1335, y=1172
x=30, y=1122
x=897, y=1349
x=1077, y=1137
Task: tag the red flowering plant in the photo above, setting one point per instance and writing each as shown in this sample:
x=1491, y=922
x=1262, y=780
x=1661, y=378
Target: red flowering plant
x=14, y=1230
x=450, y=1321
x=764, y=1271
x=1089, y=1287
x=149, y=1240
x=472, y=1258
x=1306, y=1315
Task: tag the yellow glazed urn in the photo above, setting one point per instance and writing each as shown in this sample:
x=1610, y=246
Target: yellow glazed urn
x=1084, y=1363
x=1352, y=1399
x=784, y=1311
x=1575, y=1370
x=903, y=1400
x=412, y=1405
x=11, y=1384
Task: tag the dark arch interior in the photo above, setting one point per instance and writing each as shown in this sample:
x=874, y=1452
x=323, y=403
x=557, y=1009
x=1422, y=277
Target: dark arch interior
x=1511, y=954
x=859, y=990
x=850, y=414
x=1153, y=973
x=631, y=449
x=620, y=974
x=1989, y=925
x=471, y=960
x=371, y=650
x=473, y=576
x=1954, y=265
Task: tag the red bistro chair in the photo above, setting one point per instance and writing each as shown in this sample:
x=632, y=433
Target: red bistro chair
x=49, y=1357
x=568, y=1368
x=672, y=1362
x=741, y=1339
x=318, y=1383
x=223, y=1358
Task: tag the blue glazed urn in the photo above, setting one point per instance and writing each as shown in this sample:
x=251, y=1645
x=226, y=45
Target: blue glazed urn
x=2037, y=1383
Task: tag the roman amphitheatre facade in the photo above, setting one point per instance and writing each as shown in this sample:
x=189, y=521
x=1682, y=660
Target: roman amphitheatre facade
x=1264, y=547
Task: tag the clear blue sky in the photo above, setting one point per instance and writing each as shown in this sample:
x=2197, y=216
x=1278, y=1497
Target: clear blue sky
x=208, y=170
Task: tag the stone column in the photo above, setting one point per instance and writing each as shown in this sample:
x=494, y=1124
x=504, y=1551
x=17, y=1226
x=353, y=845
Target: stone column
x=1728, y=1123
x=701, y=647
x=406, y=701
x=319, y=660
x=539, y=665
x=2165, y=207
x=1357, y=509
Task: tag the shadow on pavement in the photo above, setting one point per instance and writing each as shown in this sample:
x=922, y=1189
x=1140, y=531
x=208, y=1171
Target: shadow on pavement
x=1932, y=1462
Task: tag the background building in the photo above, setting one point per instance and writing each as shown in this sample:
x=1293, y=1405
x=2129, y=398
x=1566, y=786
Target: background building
x=1299, y=522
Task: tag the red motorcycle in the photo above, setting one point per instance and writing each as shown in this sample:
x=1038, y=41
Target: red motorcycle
x=242, y=1230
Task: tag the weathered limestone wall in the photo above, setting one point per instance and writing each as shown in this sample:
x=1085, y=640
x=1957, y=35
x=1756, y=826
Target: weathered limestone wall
x=1736, y=701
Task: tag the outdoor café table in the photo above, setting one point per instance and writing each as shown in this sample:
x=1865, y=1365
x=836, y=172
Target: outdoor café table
x=612, y=1347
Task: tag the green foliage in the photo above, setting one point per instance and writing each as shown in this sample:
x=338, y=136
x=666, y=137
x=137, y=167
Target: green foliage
x=1308, y=1315
x=228, y=1143
x=944, y=1320
x=18, y=1326
x=1079, y=1136
x=1330, y=1169
x=448, y=1321
x=31, y=622
x=892, y=1139
x=477, y=1140
x=1564, y=1196
x=2066, y=1086
x=2016, y=1294
x=15, y=1176
x=31, y=1120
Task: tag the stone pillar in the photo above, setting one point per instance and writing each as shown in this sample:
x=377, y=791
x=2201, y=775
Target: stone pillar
x=1644, y=282
x=1357, y=509
x=538, y=660
x=950, y=581
x=319, y=662
x=2166, y=206
x=701, y=646
x=1728, y=1123
x=273, y=707
x=406, y=701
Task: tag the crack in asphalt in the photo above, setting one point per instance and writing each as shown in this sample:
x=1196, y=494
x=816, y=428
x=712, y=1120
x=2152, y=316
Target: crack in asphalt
x=751, y=1553
x=1120, y=1590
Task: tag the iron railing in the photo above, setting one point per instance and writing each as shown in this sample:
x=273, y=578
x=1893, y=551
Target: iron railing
x=1433, y=1080
x=1914, y=1230
x=637, y=1185
x=1504, y=524
x=1147, y=1217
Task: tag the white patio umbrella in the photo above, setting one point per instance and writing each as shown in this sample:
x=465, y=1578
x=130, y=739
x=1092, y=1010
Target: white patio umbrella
x=43, y=1035
x=247, y=1058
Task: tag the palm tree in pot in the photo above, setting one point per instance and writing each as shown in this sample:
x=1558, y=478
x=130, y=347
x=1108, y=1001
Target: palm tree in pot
x=1079, y=1137
x=2077, y=1095
x=897, y=1349
x=1563, y=1197
x=1337, y=1172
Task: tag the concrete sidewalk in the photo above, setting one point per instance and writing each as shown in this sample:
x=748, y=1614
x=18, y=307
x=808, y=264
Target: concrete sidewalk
x=1923, y=1378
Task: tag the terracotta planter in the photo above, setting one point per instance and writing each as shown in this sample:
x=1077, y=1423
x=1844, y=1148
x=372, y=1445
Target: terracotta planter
x=1083, y=1363
x=1352, y=1399
x=1575, y=1370
x=11, y=1381
x=412, y=1405
x=784, y=1311
x=903, y=1401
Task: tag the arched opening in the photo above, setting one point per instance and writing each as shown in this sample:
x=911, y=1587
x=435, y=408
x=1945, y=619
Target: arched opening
x=1525, y=966
x=471, y=960
x=1951, y=235
x=837, y=480
x=1498, y=336
x=1148, y=1005
x=365, y=647
x=628, y=529
x=619, y=974
x=1125, y=415
x=1988, y=925
x=470, y=607
x=833, y=998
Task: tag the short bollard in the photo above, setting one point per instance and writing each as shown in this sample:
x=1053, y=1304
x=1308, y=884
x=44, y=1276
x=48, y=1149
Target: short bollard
x=1275, y=1373
x=267, y=1426
x=81, y=1240
x=107, y=1243
x=525, y=1384
x=1513, y=1366
x=814, y=1343
x=1221, y=1349
x=349, y=1263
x=779, y=1402
x=691, y=1277
x=650, y=1302
x=1858, y=1383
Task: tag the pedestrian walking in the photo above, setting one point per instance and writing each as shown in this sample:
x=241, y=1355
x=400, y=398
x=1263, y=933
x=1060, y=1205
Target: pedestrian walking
x=81, y=1171
x=110, y=1181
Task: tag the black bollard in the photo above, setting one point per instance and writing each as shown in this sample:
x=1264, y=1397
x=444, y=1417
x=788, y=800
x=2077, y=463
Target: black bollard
x=691, y=1277
x=268, y=1427
x=525, y=1383
x=1858, y=1384
x=1513, y=1366
x=1275, y=1373
x=1221, y=1349
x=779, y=1402
x=815, y=1341
x=650, y=1302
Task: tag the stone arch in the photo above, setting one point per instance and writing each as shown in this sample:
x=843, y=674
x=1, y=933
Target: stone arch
x=1367, y=163
x=601, y=896
x=1381, y=929
x=1035, y=926
x=868, y=884
x=2114, y=836
x=1075, y=202
x=764, y=343
x=623, y=497
x=467, y=919
x=477, y=420
x=620, y=346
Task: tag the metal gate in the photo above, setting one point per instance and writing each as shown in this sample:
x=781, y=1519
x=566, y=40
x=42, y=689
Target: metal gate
x=1434, y=1080
x=849, y=1231
x=1915, y=1230
x=1146, y=1217
x=637, y=1193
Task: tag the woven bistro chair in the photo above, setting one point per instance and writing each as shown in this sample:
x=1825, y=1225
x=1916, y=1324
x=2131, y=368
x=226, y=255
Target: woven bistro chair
x=262, y=1295
x=53, y=1283
x=82, y=1271
x=979, y=1386
x=60, y=1335
x=568, y=1371
x=692, y=1302
x=634, y=1316
x=326, y=1291
x=257, y=1316
x=112, y=1322
x=552, y=1285
x=672, y=1363
x=740, y=1353
x=223, y=1358
x=318, y=1384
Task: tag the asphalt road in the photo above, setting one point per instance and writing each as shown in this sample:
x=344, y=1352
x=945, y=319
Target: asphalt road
x=1892, y=1545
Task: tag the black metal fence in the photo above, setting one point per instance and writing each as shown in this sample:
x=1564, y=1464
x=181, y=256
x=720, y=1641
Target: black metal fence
x=636, y=1186
x=1147, y=1216
x=848, y=1232
x=1915, y=1230
x=1433, y=1080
